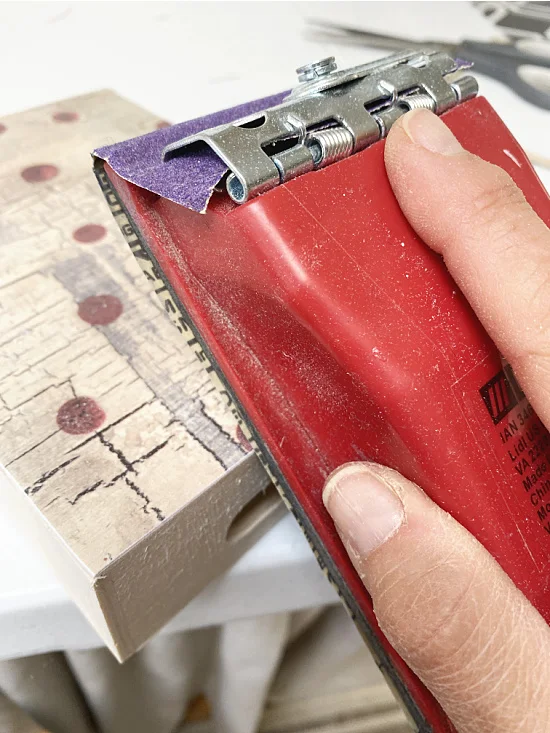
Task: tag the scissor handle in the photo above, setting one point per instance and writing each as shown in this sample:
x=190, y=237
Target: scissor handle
x=509, y=64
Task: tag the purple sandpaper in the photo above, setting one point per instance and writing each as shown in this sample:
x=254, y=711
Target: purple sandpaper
x=188, y=180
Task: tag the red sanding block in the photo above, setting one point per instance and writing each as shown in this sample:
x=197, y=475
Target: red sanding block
x=272, y=236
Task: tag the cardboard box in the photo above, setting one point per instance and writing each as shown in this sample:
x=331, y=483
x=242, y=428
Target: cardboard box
x=115, y=447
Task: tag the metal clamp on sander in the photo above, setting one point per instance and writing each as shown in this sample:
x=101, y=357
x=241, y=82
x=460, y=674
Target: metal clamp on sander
x=331, y=114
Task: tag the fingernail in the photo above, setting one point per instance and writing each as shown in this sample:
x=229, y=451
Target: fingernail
x=426, y=129
x=365, y=509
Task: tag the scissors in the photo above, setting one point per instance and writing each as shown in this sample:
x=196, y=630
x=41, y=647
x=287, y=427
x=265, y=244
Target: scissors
x=523, y=65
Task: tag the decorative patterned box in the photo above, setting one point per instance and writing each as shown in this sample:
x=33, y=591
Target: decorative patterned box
x=115, y=448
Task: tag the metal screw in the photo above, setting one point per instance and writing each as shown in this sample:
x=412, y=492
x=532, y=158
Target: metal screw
x=317, y=69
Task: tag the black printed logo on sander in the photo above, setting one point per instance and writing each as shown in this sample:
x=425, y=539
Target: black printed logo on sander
x=501, y=394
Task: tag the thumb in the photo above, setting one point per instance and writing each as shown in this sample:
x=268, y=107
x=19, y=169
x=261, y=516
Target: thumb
x=443, y=602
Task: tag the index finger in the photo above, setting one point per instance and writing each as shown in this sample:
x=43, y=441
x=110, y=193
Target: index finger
x=495, y=246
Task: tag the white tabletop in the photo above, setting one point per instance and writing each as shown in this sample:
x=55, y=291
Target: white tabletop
x=182, y=60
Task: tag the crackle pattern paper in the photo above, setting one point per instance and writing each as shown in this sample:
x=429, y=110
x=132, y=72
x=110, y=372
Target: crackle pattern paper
x=107, y=420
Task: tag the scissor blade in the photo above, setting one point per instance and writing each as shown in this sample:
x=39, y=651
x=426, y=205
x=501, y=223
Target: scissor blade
x=348, y=34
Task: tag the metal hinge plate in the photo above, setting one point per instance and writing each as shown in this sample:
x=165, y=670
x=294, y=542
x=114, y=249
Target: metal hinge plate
x=331, y=114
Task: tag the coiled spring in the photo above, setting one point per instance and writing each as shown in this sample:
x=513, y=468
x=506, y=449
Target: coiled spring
x=328, y=146
x=335, y=143
x=418, y=101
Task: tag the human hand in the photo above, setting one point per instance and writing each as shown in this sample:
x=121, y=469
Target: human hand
x=440, y=598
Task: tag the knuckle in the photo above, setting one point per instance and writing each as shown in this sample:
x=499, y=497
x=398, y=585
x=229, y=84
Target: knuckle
x=499, y=206
x=530, y=353
x=426, y=614
x=479, y=686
